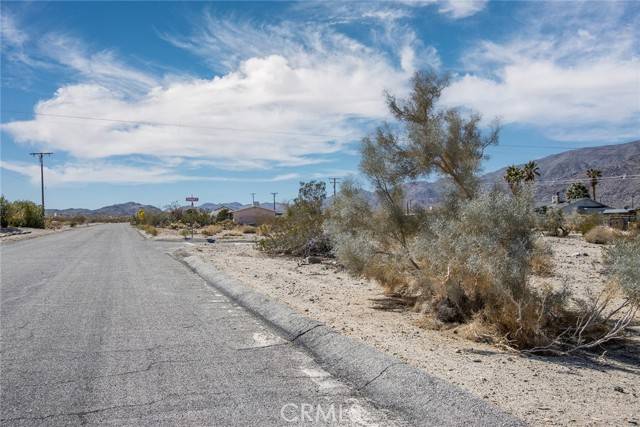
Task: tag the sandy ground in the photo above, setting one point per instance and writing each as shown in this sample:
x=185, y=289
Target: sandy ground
x=541, y=390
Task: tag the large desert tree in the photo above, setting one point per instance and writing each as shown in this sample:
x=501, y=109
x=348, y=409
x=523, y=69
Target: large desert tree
x=594, y=174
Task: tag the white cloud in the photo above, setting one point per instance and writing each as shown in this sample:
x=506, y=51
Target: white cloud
x=102, y=67
x=293, y=96
x=579, y=84
x=9, y=31
x=458, y=9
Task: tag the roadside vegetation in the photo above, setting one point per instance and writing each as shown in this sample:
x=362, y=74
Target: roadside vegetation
x=300, y=231
x=469, y=260
x=20, y=213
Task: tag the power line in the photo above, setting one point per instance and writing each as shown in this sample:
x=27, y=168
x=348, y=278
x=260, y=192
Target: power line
x=259, y=131
x=181, y=125
x=603, y=178
x=274, y=201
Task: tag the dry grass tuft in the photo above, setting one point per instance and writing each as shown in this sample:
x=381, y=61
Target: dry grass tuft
x=602, y=235
x=212, y=230
x=248, y=229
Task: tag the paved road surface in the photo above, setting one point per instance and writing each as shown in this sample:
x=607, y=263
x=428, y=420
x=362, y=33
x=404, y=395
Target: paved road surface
x=101, y=326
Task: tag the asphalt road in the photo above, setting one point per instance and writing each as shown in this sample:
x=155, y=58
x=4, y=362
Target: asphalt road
x=99, y=326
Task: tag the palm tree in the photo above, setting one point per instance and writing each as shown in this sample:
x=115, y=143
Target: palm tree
x=530, y=171
x=577, y=190
x=514, y=175
x=594, y=174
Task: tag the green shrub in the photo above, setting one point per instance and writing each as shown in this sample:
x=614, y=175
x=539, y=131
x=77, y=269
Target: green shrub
x=622, y=260
x=300, y=231
x=224, y=215
x=25, y=213
x=552, y=223
x=584, y=223
x=5, y=212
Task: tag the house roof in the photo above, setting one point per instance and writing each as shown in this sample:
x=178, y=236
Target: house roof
x=618, y=211
x=254, y=207
x=583, y=205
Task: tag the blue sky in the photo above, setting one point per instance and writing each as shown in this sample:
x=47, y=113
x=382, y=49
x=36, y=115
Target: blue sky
x=154, y=101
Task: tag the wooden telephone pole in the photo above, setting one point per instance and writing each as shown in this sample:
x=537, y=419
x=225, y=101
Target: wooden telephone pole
x=40, y=156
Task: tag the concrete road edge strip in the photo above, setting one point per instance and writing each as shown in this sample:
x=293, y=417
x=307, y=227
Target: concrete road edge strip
x=385, y=380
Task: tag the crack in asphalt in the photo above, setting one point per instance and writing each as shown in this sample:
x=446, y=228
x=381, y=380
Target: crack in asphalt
x=83, y=413
x=136, y=371
x=378, y=376
x=304, y=332
x=262, y=346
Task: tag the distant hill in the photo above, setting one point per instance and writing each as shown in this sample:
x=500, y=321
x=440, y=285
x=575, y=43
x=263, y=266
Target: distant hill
x=569, y=166
x=121, y=209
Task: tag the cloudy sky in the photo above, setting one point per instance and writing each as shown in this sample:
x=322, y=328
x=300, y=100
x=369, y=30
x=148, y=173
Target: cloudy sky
x=153, y=101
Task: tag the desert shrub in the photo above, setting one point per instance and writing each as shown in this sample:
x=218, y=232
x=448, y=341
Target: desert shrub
x=584, y=223
x=552, y=223
x=227, y=224
x=601, y=235
x=5, y=212
x=622, y=260
x=224, y=214
x=211, y=230
x=300, y=231
x=185, y=233
x=248, y=229
x=542, y=260
x=468, y=260
x=149, y=229
x=53, y=224
x=25, y=213
x=263, y=229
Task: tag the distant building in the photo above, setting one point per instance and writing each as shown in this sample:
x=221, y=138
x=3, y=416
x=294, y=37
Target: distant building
x=620, y=218
x=584, y=206
x=253, y=215
x=613, y=217
x=215, y=212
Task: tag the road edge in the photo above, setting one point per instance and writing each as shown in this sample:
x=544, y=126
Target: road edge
x=385, y=380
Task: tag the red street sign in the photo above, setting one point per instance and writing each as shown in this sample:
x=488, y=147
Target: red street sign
x=192, y=199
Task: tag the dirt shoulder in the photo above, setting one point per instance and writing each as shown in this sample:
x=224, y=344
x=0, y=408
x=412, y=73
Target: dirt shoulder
x=542, y=391
x=14, y=234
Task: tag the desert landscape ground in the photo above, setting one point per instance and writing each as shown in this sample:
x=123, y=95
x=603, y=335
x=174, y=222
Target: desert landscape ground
x=599, y=388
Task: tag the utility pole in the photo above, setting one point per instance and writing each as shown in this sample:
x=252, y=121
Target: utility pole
x=253, y=199
x=333, y=181
x=40, y=156
x=274, y=201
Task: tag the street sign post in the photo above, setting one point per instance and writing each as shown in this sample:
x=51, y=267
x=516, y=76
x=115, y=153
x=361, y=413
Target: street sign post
x=192, y=199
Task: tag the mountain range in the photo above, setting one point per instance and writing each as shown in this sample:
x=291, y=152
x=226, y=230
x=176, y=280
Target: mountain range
x=557, y=172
